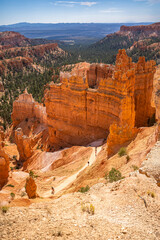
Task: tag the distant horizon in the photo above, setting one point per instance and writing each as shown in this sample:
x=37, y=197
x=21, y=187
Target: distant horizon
x=75, y=23
x=79, y=11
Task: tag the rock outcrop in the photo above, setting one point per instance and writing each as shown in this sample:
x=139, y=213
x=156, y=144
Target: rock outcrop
x=26, y=107
x=151, y=167
x=157, y=98
x=18, y=53
x=4, y=161
x=142, y=31
x=85, y=104
x=13, y=39
x=23, y=145
x=31, y=188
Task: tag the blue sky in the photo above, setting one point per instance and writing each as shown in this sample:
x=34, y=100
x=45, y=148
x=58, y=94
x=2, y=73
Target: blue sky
x=53, y=11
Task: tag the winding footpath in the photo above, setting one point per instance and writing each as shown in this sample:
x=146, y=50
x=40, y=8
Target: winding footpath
x=72, y=178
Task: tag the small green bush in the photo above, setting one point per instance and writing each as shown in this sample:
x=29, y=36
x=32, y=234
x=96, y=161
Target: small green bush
x=135, y=168
x=89, y=208
x=152, y=194
x=4, y=209
x=122, y=152
x=10, y=185
x=12, y=195
x=23, y=194
x=32, y=174
x=114, y=175
x=127, y=158
x=84, y=189
x=92, y=209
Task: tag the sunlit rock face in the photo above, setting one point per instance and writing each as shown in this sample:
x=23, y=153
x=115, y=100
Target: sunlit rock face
x=26, y=107
x=157, y=97
x=31, y=188
x=141, y=31
x=4, y=161
x=23, y=145
x=88, y=101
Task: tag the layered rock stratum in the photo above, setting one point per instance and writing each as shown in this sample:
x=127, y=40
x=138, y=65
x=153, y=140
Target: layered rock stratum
x=4, y=161
x=18, y=53
x=87, y=103
x=26, y=107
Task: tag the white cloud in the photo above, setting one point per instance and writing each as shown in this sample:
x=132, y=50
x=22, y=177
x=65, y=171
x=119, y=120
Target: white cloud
x=73, y=3
x=89, y=4
x=111, y=10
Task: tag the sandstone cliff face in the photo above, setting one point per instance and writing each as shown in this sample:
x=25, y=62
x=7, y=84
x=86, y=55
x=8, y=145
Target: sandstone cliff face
x=152, y=30
x=83, y=107
x=144, y=73
x=4, y=161
x=23, y=145
x=4, y=168
x=157, y=98
x=25, y=107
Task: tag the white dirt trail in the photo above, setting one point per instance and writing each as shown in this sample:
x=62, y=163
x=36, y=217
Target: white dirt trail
x=73, y=177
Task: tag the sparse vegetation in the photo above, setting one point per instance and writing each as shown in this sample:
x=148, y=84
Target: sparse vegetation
x=31, y=174
x=152, y=194
x=88, y=207
x=23, y=194
x=10, y=185
x=12, y=195
x=135, y=168
x=84, y=189
x=127, y=158
x=122, y=152
x=114, y=175
x=4, y=209
x=57, y=234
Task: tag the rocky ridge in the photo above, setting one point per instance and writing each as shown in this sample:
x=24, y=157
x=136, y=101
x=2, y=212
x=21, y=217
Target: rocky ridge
x=102, y=96
x=17, y=53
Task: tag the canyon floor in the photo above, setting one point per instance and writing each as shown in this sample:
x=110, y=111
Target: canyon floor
x=122, y=210
x=127, y=209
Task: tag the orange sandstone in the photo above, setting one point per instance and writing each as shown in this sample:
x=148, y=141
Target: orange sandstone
x=4, y=162
x=87, y=103
x=31, y=188
x=26, y=107
x=23, y=145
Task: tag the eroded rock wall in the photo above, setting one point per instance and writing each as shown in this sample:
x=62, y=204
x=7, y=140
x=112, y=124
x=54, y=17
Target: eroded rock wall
x=23, y=145
x=4, y=161
x=26, y=107
x=82, y=107
x=144, y=73
x=157, y=98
